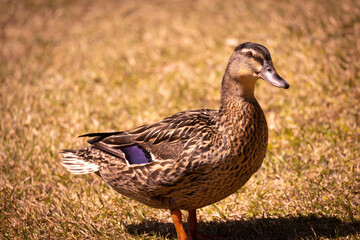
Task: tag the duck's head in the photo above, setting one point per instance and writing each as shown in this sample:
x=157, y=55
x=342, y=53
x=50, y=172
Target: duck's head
x=252, y=61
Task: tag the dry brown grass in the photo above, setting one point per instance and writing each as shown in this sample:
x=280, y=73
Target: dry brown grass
x=70, y=68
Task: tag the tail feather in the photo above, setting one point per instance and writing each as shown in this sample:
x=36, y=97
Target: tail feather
x=74, y=162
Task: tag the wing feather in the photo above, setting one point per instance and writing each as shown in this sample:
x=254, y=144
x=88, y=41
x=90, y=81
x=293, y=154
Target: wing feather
x=163, y=140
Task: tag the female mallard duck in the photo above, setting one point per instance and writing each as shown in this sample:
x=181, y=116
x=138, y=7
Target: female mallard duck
x=192, y=158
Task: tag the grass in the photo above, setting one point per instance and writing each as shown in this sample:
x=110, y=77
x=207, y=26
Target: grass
x=68, y=68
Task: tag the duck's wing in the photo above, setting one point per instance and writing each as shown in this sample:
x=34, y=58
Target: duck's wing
x=164, y=140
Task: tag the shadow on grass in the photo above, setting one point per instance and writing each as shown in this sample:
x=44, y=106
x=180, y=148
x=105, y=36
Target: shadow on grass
x=262, y=228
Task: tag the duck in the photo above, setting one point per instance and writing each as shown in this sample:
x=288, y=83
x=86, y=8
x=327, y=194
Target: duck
x=193, y=158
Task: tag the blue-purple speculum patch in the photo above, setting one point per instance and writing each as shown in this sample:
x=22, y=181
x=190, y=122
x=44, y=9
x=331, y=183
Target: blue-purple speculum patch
x=136, y=154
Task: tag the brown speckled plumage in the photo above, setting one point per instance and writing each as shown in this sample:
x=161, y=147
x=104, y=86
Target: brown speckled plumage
x=196, y=158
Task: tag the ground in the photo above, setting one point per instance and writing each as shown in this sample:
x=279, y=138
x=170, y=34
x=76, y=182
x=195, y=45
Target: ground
x=73, y=67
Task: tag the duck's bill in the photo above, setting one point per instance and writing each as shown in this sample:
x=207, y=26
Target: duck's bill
x=269, y=74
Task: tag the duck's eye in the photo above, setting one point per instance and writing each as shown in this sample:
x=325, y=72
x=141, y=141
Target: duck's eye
x=249, y=54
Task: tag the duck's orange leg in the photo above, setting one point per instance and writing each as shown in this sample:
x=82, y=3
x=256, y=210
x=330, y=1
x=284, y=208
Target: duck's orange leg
x=177, y=219
x=193, y=228
x=192, y=223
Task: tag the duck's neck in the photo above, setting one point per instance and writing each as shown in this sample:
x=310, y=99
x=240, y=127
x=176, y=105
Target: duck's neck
x=234, y=93
x=240, y=115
